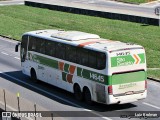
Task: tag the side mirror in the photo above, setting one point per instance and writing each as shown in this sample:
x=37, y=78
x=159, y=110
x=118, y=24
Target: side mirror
x=16, y=47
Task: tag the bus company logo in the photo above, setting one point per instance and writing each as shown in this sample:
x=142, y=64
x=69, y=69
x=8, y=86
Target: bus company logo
x=6, y=114
x=127, y=60
x=67, y=71
x=123, y=62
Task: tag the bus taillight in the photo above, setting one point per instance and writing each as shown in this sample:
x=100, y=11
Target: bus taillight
x=110, y=90
x=145, y=84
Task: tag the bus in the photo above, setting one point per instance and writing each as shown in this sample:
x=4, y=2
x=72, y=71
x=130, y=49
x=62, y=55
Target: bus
x=92, y=68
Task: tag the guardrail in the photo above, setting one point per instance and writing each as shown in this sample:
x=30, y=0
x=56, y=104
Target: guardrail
x=117, y=16
x=14, y=104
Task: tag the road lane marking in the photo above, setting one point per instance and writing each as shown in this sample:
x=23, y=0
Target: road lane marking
x=17, y=58
x=87, y=110
x=60, y=98
x=4, y=53
x=151, y=105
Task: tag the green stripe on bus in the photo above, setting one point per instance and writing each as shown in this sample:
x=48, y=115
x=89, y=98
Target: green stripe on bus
x=128, y=77
x=66, y=67
x=64, y=76
x=79, y=71
x=114, y=79
x=97, y=77
x=142, y=57
x=45, y=61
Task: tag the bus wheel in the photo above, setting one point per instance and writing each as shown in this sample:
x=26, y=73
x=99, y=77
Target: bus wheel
x=87, y=96
x=77, y=93
x=33, y=76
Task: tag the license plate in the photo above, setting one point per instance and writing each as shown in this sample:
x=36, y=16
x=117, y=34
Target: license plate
x=129, y=93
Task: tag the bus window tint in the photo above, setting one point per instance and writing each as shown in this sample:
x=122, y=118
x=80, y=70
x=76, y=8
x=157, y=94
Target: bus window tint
x=101, y=61
x=71, y=53
x=38, y=44
x=50, y=48
x=92, y=59
x=32, y=44
x=82, y=56
x=24, y=48
x=60, y=51
x=41, y=45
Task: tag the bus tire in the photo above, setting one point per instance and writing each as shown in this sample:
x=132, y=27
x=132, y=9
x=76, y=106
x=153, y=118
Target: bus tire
x=33, y=76
x=77, y=92
x=87, y=96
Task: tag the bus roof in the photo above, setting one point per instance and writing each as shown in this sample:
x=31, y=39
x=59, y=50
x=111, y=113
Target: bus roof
x=82, y=39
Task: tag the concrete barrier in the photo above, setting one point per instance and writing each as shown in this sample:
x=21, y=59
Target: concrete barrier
x=116, y=16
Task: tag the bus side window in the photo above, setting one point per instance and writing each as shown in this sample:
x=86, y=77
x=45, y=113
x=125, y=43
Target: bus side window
x=38, y=44
x=101, y=61
x=50, y=48
x=93, y=59
x=71, y=53
x=82, y=56
x=32, y=44
x=41, y=45
x=60, y=51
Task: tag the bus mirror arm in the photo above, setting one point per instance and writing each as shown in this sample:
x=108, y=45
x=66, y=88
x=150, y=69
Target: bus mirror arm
x=16, y=47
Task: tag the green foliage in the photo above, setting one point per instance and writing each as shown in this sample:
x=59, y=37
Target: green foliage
x=154, y=74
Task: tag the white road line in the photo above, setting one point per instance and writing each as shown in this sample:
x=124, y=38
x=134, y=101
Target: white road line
x=4, y=53
x=17, y=58
x=151, y=105
x=87, y=110
x=11, y=108
x=106, y=118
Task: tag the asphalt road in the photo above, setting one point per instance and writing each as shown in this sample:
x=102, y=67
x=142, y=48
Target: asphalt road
x=55, y=99
x=146, y=10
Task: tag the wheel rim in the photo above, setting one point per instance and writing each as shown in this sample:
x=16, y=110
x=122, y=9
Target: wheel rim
x=87, y=95
x=33, y=76
x=78, y=93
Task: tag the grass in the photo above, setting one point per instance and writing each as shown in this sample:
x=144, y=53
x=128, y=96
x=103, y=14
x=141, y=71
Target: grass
x=154, y=74
x=15, y=20
x=136, y=1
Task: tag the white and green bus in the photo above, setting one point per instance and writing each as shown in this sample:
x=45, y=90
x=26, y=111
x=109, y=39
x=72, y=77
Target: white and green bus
x=93, y=68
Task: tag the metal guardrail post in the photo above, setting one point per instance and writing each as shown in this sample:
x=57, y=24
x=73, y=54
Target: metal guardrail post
x=35, y=109
x=18, y=103
x=4, y=99
x=52, y=116
x=157, y=12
